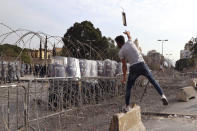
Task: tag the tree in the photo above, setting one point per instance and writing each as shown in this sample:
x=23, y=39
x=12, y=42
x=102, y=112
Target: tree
x=194, y=50
x=184, y=64
x=83, y=40
x=189, y=62
x=7, y=50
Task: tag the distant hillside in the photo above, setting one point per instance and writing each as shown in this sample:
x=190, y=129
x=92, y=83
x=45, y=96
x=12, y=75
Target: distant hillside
x=7, y=50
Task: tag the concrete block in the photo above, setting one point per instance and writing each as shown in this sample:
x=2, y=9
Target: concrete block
x=186, y=93
x=194, y=83
x=130, y=121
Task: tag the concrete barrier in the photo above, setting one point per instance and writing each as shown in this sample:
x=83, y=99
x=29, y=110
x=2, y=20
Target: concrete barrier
x=194, y=83
x=186, y=93
x=130, y=121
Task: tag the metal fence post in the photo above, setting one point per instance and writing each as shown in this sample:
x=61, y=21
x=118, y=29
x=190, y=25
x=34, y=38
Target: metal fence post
x=25, y=108
x=17, y=106
x=8, y=107
x=116, y=86
x=80, y=93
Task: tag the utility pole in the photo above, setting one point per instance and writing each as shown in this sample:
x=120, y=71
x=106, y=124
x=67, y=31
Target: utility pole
x=162, y=42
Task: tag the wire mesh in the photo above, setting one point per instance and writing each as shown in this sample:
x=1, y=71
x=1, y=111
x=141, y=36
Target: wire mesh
x=61, y=103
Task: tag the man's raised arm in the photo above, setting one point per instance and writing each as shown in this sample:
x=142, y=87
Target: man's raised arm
x=128, y=34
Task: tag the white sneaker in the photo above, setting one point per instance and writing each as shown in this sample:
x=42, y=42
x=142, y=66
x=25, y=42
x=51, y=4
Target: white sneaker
x=164, y=100
x=128, y=108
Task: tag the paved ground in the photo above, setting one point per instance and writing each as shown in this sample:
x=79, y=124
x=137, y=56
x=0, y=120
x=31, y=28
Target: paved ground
x=175, y=122
x=189, y=107
x=171, y=124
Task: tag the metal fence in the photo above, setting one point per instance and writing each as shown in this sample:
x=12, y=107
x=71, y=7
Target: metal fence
x=39, y=104
x=12, y=103
x=27, y=105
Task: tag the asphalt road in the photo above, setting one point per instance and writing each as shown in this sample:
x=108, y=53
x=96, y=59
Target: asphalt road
x=171, y=124
x=175, y=122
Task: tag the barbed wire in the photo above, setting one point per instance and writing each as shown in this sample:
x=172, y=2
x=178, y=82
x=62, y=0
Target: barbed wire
x=23, y=34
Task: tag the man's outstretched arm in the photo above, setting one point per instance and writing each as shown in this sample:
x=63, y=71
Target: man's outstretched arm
x=124, y=70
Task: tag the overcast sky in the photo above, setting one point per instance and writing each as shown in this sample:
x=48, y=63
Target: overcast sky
x=148, y=20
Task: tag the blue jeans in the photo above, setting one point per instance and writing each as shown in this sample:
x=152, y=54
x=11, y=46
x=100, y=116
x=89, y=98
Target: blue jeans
x=134, y=72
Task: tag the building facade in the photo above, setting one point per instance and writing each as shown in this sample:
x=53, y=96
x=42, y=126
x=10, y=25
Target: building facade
x=40, y=54
x=184, y=54
x=154, y=59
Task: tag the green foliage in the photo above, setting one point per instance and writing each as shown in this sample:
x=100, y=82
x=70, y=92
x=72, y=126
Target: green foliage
x=185, y=63
x=7, y=50
x=10, y=50
x=112, y=53
x=194, y=49
x=83, y=38
x=84, y=31
x=25, y=58
x=188, y=63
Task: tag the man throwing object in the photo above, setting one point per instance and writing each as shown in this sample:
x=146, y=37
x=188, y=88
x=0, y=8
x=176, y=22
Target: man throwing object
x=129, y=53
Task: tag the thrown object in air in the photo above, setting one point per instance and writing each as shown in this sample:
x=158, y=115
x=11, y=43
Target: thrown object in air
x=124, y=19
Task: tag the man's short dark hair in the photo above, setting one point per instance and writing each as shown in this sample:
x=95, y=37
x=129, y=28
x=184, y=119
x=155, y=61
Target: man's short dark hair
x=120, y=39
